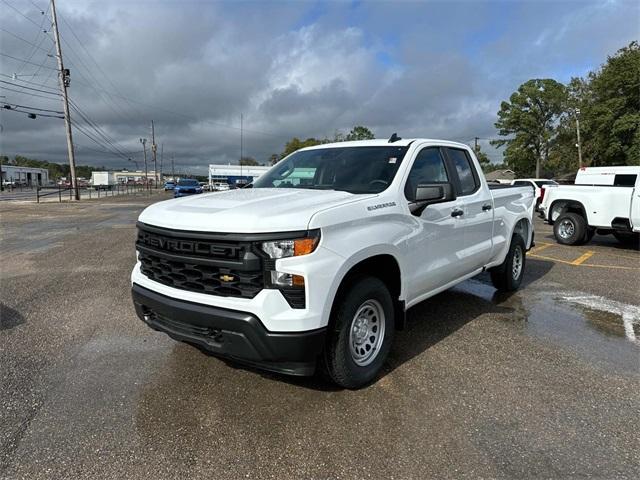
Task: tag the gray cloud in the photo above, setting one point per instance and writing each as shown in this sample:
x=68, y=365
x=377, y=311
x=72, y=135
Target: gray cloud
x=293, y=69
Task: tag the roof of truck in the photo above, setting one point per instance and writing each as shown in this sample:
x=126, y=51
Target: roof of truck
x=379, y=142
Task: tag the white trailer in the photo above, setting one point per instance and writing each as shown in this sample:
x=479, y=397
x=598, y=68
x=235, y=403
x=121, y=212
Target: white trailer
x=103, y=180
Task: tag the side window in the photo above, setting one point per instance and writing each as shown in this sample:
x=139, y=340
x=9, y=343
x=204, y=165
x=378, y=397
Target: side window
x=624, y=180
x=521, y=183
x=428, y=167
x=468, y=180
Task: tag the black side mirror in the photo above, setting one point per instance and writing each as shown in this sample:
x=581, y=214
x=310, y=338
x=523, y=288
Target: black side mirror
x=430, y=193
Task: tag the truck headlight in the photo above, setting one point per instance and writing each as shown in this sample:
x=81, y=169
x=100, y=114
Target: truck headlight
x=291, y=248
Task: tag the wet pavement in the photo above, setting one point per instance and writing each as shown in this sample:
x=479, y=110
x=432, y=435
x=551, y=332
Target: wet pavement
x=544, y=382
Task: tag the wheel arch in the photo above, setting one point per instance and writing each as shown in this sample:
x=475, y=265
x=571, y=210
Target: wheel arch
x=574, y=206
x=383, y=266
x=523, y=228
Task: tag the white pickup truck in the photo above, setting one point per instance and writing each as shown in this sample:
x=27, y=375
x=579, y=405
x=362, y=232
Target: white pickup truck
x=603, y=199
x=316, y=263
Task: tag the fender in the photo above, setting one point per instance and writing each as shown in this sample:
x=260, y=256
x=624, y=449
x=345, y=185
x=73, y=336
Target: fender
x=355, y=259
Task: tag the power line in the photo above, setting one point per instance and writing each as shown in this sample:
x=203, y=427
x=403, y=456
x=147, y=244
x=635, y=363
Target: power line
x=82, y=45
x=33, y=108
x=35, y=114
x=23, y=60
x=20, y=13
x=30, y=83
x=29, y=88
x=98, y=130
x=37, y=47
x=27, y=93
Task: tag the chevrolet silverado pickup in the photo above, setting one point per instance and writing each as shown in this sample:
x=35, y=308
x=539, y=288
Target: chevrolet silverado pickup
x=315, y=263
x=603, y=199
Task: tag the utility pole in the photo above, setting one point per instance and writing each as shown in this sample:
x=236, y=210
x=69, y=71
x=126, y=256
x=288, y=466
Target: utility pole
x=578, y=132
x=161, y=153
x=64, y=84
x=154, y=150
x=173, y=169
x=475, y=145
x=241, y=132
x=143, y=141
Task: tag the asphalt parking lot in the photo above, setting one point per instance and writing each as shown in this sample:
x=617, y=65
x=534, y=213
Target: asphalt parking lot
x=543, y=383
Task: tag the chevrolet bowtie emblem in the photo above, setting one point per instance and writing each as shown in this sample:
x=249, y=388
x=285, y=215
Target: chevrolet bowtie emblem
x=226, y=278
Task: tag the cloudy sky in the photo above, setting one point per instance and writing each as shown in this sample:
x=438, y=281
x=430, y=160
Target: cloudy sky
x=297, y=68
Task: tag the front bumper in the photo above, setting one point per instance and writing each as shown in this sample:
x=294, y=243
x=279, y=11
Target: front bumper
x=179, y=193
x=230, y=333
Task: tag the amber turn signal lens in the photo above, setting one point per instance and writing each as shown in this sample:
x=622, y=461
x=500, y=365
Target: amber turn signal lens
x=304, y=246
x=298, y=281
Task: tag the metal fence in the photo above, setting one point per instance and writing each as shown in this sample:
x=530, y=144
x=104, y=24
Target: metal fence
x=63, y=192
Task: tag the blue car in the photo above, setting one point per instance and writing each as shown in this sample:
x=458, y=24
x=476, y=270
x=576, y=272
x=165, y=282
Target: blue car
x=186, y=187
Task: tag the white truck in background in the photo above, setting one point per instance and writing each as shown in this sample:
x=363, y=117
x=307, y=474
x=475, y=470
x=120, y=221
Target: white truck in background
x=603, y=200
x=103, y=180
x=316, y=263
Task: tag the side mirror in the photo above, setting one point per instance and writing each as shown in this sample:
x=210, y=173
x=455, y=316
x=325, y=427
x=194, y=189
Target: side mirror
x=430, y=193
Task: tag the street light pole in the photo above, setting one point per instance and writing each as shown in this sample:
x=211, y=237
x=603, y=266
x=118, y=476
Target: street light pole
x=143, y=141
x=579, y=145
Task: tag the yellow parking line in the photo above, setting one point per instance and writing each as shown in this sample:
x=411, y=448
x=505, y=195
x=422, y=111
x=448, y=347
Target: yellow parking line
x=583, y=258
x=615, y=267
x=539, y=248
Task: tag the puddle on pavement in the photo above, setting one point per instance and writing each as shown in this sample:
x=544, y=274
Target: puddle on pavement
x=603, y=330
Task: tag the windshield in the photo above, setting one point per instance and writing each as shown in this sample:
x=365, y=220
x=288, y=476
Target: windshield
x=545, y=182
x=188, y=183
x=351, y=169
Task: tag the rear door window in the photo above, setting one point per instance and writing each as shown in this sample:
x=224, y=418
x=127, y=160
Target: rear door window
x=467, y=176
x=624, y=180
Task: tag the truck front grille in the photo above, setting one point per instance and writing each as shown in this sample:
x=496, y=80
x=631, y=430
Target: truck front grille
x=199, y=262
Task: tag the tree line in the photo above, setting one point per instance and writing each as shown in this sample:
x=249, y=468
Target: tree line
x=540, y=121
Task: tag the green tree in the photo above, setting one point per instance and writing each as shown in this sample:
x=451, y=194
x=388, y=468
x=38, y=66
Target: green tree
x=482, y=157
x=529, y=119
x=610, y=110
x=360, y=133
x=296, y=144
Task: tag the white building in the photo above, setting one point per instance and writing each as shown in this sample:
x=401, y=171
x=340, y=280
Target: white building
x=25, y=175
x=233, y=174
x=128, y=176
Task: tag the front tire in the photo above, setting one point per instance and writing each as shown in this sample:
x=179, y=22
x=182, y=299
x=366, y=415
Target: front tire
x=362, y=333
x=507, y=276
x=570, y=229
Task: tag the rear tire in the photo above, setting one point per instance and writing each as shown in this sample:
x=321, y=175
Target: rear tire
x=362, y=333
x=507, y=276
x=570, y=229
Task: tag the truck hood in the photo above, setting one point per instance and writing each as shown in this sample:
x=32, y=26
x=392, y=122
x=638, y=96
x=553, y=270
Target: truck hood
x=247, y=210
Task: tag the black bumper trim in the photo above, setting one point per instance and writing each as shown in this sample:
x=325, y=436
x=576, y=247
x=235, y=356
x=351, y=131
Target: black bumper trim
x=230, y=333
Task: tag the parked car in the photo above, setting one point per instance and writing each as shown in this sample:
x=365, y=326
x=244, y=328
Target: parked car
x=537, y=184
x=223, y=187
x=169, y=185
x=289, y=274
x=186, y=187
x=603, y=200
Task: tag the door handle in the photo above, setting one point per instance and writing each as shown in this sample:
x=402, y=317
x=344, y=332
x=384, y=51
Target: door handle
x=486, y=207
x=456, y=212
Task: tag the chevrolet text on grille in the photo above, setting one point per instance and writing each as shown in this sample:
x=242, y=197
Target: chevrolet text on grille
x=186, y=246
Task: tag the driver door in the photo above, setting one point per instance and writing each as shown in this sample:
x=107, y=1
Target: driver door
x=437, y=240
